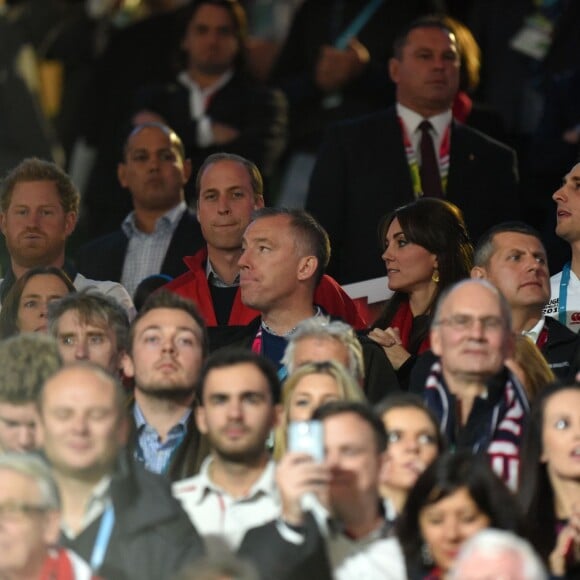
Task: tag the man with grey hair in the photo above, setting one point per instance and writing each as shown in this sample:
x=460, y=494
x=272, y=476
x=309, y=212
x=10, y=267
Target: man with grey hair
x=30, y=516
x=497, y=554
x=320, y=339
x=39, y=206
x=89, y=326
x=26, y=360
x=480, y=405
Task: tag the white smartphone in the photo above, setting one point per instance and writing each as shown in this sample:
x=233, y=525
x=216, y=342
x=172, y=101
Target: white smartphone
x=307, y=437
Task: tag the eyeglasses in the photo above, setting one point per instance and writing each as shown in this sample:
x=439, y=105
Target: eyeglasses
x=15, y=511
x=466, y=322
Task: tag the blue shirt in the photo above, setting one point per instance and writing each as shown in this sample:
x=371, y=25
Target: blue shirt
x=150, y=450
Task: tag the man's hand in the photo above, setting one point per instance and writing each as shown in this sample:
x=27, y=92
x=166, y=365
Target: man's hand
x=572, y=135
x=296, y=475
x=223, y=134
x=336, y=68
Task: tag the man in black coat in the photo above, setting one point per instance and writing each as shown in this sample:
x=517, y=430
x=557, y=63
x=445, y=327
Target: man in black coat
x=368, y=167
x=213, y=104
x=119, y=517
x=160, y=230
x=512, y=257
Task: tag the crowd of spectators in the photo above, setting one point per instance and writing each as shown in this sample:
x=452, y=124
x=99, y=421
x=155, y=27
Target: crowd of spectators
x=198, y=377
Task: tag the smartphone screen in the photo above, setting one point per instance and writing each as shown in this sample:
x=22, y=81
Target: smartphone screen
x=307, y=437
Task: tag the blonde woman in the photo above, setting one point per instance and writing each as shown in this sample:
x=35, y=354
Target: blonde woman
x=307, y=388
x=530, y=366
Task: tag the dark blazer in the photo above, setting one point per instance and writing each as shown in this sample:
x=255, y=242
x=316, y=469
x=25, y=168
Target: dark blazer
x=258, y=113
x=362, y=174
x=152, y=537
x=561, y=350
x=380, y=377
x=275, y=557
x=103, y=258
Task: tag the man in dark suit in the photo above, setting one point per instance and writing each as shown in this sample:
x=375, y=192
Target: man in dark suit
x=134, y=528
x=160, y=230
x=336, y=485
x=512, y=257
x=368, y=167
x=213, y=104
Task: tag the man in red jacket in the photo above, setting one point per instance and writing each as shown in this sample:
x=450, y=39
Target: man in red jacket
x=229, y=189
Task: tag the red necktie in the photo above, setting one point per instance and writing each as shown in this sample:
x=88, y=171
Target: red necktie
x=430, y=176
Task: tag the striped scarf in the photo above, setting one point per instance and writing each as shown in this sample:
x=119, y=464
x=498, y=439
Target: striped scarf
x=495, y=424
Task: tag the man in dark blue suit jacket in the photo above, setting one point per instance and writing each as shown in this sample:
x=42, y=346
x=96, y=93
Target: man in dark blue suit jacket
x=368, y=167
x=160, y=230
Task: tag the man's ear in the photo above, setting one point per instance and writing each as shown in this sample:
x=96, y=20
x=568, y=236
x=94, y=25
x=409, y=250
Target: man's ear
x=70, y=222
x=200, y=419
x=3, y=223
x=258, y=202
x=186, y=170
x=127, y=365
x=435, y=341
x=122, y=174
x=394, y=69
x=120, y=358
x=277, y=415
x=478, y=272
x=307, y=267
x=51, y=527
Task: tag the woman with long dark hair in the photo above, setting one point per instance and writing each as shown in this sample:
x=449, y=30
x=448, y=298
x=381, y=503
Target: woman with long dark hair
x=26, y=304
x=456, y=496
x=550, y=478
x=427, y=249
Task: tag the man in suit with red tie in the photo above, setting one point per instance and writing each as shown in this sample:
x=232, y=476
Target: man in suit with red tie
x=370, y=166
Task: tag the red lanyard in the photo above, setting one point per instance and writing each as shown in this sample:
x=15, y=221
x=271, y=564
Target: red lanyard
x=444, y=150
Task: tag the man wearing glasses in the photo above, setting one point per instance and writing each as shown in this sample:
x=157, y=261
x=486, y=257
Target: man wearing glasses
x=29, y=523
x=479, y=404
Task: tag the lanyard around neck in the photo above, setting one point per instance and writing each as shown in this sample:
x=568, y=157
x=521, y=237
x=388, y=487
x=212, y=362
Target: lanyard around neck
x=103, y=538
x=563, y=296
x=444, y=150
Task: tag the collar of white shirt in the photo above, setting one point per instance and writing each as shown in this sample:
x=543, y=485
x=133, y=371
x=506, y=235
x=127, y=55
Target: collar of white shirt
x=534, y=332
x=171, y=218
x=412, y=120
x=199, y=486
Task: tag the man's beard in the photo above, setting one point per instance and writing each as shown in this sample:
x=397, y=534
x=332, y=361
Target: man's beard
x=170, y=393
x=247, y=455
x=242, y=456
